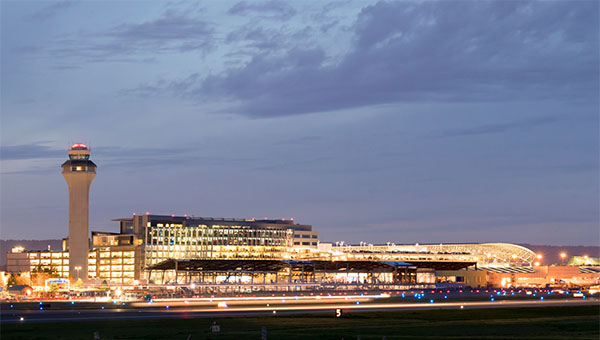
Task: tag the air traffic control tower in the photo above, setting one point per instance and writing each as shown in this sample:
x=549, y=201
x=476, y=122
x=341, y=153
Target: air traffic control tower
x=79, y=172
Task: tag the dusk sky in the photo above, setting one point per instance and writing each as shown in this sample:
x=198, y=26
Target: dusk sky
x=374, y=121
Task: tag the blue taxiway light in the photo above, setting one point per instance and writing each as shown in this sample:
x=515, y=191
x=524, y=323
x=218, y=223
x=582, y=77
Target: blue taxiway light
x=167, y=307
x=492, y=299
x=431, y=301
x=102, y=307
x=358, y=303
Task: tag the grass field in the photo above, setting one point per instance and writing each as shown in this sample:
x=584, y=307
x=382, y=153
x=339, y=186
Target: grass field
x=515, y=323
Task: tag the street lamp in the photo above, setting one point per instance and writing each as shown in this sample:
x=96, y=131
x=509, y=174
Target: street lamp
x=78, y=268
x=563, y=256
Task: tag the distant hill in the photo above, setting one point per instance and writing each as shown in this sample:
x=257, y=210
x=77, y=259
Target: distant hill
x=7, y=245
x=551, y=254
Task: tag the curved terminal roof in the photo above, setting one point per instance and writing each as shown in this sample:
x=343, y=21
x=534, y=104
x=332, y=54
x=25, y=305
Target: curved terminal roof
x=485, y=254
x=491, y=254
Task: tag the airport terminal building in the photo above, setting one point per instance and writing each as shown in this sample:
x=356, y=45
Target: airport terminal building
x=171, y=249
x=214, y=252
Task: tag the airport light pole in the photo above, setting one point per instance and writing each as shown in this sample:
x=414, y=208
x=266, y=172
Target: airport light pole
x=563, y=256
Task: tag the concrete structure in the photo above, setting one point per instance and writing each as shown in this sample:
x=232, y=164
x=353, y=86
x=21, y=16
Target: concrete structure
x=79, y=172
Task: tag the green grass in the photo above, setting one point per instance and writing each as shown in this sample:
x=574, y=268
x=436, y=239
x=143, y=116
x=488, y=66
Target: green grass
x=582, y=322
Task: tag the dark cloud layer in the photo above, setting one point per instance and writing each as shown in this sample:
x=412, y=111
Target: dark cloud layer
x=280, y=10
x=120, y=157
x=51, y=10
x=28, y=151
x=172, y=32
x=431, y=51
x=499, y=127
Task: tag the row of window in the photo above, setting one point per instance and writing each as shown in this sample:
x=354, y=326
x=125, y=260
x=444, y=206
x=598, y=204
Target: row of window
x=305, y=243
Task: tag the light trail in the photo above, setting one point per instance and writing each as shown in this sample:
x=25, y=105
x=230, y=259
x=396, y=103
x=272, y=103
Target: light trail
x=259, y=300
x=12, y=316
x=382, y=306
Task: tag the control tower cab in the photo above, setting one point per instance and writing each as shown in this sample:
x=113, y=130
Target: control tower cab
x=79, y=172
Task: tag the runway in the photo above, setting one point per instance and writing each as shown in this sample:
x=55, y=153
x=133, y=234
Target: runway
x=11, y=316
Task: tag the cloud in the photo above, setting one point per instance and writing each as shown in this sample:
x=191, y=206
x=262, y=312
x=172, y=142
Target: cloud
x=295, y=164
x=173, y=32
x=51, y=10
x=498, y=128
x=429, y=51
x=115, y=157
x=28, y=151
x=258, y=37
x=576, y=168
x=279, y=10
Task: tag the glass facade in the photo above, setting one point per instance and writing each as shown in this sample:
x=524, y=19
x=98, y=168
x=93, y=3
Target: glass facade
x=163, y=241
x=113, y=265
